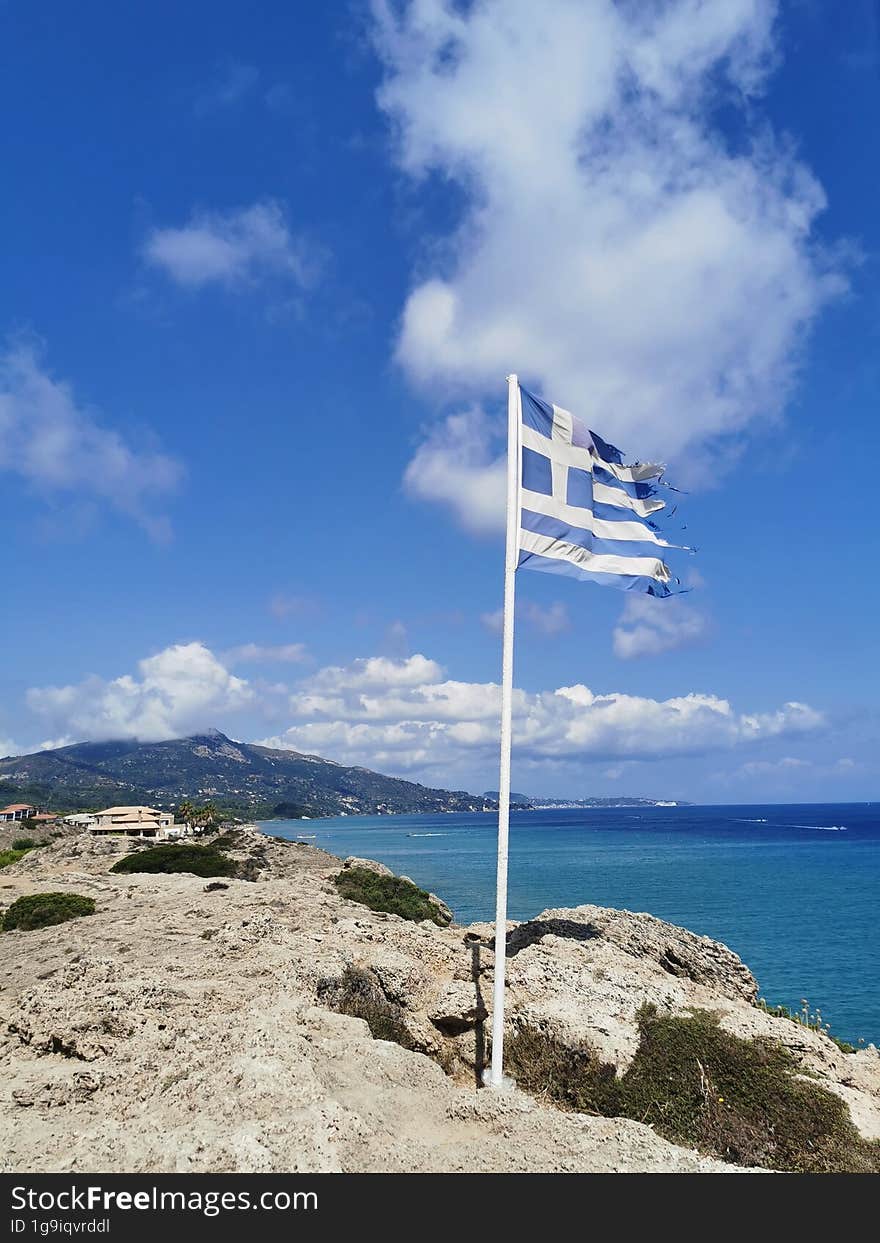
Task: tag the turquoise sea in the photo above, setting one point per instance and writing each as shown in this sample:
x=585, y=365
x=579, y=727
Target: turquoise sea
x=793, y=889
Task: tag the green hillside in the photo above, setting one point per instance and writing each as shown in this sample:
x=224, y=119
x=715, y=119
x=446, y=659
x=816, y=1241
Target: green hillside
x=237, y=776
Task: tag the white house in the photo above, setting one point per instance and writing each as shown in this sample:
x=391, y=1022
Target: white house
x=80, y=819
x=17, y=811
x=128, y=822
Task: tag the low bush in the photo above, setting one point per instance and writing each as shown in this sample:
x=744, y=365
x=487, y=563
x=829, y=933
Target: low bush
x=230, y=840
x=696, y=1084
x=41, y=910
x=573, y=1078
x=197, y=860
x=392, y=894
x=358, y=993
x=25, y=843
x=11, y=856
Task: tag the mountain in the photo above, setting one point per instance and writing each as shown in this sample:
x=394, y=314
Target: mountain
x=238, y=776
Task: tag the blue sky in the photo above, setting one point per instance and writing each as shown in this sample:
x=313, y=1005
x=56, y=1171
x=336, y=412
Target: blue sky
x=265, y=270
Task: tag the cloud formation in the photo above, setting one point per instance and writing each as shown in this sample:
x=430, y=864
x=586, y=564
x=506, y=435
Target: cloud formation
x=459, y=465
x=236, y=248
x=649, y=627
x=406, y=716
x=632, y=258
x=180, y=690
x=8, y=747
x=61, y=448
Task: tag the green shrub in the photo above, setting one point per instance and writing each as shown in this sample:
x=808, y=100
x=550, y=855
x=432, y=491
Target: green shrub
x=359, y=994
x=41, y=910
x=11, y=856
x=740, y=1100
x=198, y=860
x=574, y=1078
x=388, y=893
x=25, y=843
x=230, y=840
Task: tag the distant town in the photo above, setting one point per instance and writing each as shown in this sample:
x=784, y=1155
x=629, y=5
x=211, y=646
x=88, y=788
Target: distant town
x=529, y=802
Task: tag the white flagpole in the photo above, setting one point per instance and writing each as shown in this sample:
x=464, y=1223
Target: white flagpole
x=495, y=1077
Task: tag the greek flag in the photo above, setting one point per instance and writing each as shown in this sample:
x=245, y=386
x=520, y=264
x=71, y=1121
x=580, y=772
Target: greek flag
x=582, y=511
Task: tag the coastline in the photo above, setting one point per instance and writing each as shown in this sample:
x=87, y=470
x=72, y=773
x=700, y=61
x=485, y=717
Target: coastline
x=709, y=869
x=218, y=1002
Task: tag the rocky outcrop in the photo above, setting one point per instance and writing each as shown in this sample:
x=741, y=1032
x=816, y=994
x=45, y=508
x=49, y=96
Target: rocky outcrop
x=584, y=974
x=189, y=1026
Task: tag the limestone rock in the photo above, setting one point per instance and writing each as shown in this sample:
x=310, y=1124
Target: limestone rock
x=205, y=1015
x=457, y=1008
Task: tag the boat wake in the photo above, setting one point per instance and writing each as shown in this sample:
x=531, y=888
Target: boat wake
x=426, y=834
x=823, y=828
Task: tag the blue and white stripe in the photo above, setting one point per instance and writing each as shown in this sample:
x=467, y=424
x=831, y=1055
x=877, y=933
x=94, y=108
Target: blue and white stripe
x=583, y=512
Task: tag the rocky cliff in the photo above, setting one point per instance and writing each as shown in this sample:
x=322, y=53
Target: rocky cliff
x=201, y=1025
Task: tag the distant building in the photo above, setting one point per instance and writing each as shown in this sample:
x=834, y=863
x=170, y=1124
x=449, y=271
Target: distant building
x=17, y=811
x=80, y=819
x=127, y=822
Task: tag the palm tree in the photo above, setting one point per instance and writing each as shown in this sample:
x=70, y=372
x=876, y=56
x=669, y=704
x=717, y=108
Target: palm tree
x=207, y=817
x=186, y=813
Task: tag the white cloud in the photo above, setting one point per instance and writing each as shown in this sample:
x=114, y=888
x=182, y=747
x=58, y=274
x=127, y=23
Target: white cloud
x=550, y=621
x=649, y=627
x=61, y=448
x=400, y=714
x=406, y=716
x=636, y=262
x=8, y=747
x=180, y=690
x=459, y=465
x=256, y=653
x=233, y=248
x=377, y=673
